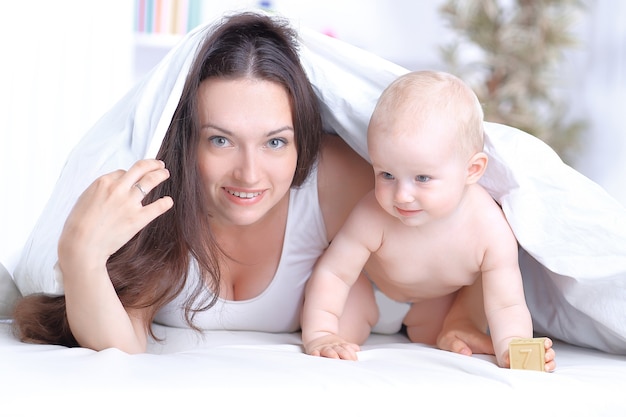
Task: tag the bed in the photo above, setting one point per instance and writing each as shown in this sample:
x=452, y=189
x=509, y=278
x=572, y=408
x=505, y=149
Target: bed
x=572, y=237
x=247, y=373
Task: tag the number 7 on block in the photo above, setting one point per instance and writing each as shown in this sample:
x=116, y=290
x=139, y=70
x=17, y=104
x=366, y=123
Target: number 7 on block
x=528, y=354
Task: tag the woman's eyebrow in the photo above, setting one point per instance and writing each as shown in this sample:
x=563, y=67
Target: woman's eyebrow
x=210, y=126
x=280, y=129
x=228, y=132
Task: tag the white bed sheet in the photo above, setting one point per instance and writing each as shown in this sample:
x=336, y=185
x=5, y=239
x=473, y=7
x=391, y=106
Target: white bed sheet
x=248, y=373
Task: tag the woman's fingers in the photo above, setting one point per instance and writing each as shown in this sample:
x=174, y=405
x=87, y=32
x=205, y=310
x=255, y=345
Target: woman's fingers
x=144, y=175
x=110, y=211
x=150, y=173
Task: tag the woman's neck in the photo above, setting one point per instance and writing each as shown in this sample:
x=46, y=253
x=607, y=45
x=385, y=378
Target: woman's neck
x=252, y=253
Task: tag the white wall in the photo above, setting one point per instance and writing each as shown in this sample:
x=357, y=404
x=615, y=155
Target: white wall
x=66, y=64
x=598, y=93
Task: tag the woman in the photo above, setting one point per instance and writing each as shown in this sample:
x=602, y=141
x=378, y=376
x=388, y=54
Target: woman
x=223, y=228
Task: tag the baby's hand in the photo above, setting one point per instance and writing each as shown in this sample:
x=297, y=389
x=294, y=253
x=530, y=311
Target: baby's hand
x=549, y=363
x=550, y=356
x=334, y=347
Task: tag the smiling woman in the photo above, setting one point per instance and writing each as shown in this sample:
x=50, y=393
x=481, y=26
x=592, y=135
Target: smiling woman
x=194, y=252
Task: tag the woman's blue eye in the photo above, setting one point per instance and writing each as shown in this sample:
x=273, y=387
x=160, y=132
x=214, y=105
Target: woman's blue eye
x=219, y=141
x=422, y=178
x=276, y=143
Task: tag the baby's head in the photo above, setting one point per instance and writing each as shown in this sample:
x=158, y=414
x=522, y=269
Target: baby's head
x=422, y=100
x=425, y=141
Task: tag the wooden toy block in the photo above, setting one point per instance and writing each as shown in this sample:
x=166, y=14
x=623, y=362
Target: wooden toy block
x=528, y=354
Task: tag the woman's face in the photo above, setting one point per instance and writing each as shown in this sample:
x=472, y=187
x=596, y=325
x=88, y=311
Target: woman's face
x=247, y=153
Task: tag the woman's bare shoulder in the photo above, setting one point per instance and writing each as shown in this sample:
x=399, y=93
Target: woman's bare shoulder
x=344, y=178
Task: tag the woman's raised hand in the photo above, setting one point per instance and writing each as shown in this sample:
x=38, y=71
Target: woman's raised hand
x=111, y=211
x=106, y=216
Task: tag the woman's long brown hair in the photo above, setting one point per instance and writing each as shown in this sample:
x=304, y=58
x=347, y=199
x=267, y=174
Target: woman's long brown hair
x=151, y=270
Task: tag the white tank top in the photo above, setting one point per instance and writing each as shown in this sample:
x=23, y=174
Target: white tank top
x=277, y=309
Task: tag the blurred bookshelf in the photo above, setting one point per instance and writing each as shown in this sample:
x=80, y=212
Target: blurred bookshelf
x=160, y=24
x=167, y=18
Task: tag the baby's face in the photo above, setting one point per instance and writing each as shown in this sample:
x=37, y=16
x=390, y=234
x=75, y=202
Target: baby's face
x=419, y=175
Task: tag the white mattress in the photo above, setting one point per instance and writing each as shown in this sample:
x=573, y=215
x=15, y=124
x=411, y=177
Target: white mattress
x=248, y=373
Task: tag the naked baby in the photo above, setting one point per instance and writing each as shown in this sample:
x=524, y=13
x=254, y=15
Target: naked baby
x=428, y=229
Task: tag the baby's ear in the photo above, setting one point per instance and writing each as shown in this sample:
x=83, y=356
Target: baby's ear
x=476, y=167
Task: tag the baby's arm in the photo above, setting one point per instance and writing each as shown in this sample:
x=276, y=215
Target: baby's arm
x=327, y=290
x=505, y=305
x=506, y=310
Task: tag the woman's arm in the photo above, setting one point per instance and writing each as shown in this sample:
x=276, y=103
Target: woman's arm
x=96, y=316
x=343, y=179
x=106, y=216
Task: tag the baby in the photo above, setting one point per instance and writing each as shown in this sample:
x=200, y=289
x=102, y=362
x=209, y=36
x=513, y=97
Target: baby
x=428, y=228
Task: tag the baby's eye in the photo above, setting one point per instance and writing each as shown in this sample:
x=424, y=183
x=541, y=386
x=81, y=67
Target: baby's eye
x=276, y=143
x=386, y=175
x=219, y=141
x=422, y=178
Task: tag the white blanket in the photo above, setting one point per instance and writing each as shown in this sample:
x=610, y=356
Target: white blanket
x=572, y=233
x=257, y=374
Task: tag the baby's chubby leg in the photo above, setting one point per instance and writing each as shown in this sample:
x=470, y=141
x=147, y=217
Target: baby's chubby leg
x=425, y=319
x=465, y=327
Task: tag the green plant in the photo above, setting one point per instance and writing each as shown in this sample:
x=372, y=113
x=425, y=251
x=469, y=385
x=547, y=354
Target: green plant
x=509, y=52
